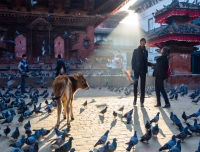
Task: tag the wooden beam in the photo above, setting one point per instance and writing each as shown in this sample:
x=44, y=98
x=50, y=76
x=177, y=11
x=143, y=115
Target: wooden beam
x=91, y=7
x=28, y=5
x=67, y=6
x=113, y=12
x=105, y=5
x=50, y=6
x=9, y=4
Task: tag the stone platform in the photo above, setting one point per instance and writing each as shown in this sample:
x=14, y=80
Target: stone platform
x=89, y=124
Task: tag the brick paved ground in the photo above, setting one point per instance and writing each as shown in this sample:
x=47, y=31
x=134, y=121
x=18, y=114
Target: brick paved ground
x=89, y=125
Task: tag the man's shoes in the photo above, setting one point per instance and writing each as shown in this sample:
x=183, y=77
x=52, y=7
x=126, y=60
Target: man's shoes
x=134, y=102
x=141, y=105
x=167, y=106
x=158, y=105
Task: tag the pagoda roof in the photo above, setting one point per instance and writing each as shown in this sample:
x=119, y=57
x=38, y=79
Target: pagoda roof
x=175, y=32
x=177, y=9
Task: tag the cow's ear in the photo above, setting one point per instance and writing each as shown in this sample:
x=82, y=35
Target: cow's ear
x=75, y=77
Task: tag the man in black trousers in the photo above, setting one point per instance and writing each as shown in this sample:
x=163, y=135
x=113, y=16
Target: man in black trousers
x=140, y=67
x=60, y=68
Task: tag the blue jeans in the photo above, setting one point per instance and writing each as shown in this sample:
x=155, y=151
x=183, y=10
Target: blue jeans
x=23, y=83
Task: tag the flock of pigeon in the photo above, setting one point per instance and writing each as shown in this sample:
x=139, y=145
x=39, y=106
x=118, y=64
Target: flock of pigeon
x=19, y=109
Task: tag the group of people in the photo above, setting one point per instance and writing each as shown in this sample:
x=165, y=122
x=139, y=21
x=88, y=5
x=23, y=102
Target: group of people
x=139, y=66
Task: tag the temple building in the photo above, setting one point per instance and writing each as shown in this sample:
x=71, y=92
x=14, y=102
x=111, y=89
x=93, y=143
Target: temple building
x=45, y=28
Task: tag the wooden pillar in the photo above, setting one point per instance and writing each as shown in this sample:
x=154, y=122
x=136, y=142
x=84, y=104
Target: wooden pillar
x=67, y=6
x=28, y=5
x=50, y=6
x=91, y=7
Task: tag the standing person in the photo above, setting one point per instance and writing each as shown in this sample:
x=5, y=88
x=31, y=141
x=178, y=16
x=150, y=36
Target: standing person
x=23, y=68
x=161, y=73
x=60, y=67
x=140, y=67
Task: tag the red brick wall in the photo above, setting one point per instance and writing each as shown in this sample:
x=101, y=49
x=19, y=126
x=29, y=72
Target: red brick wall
x=180, y=63
x=190, y=80
x=82, y=51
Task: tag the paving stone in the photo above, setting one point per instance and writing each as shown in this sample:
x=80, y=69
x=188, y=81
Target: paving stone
x=89, y=125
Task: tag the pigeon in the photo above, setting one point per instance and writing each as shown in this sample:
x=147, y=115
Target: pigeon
x=65, y=33
x=72, y=150
x=114, y=114
x=184, y=116
x=169, y=144
x=6, y=131
x=31, y=140
x=21, y=119
x=104, y=110
x=196, y=114
x=65, y=147
x=133, y=141
x=27, y=125
x=104, y=148
x=12, y=111
x=85, y=104
x=181, y=128
x=196, y=125
x=183, y=134
x=44, y=132
x=46, y=95
x=103, y=139
x=19, y=143
x=16, y=150
x=129, y=118
x=59, y=141
x=147, y=125
x=28, y=132
x=113, y=146
x=155, y=130
x=34, y=148
x=172, y=116
x=59, y=132
x=129, y=112
x=155, y=119
x=33, y=2
x=177, y=147
x=9, y=119
x=48, y=16
x=37, y=109
x=176, y=120
x=191, y=128
x=121, y=109
x=15, y=134
x=17, y=32
x=147, y=136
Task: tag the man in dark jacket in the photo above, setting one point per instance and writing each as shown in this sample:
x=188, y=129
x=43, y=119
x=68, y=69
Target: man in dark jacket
x=140, y=68
x=60, y=68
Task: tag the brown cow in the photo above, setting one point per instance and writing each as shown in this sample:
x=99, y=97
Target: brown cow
x=64, y=88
